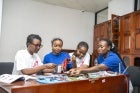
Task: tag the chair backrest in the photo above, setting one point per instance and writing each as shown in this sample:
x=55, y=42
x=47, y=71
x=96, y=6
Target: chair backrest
x=68, y=50
x=93, y=58
x=6, y=67
x=134, y=74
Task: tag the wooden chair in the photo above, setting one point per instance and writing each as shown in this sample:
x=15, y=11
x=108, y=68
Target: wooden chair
x=68, y=50
x=93, y=57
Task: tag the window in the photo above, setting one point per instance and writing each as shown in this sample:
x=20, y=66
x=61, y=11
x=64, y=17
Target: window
x=101, y=16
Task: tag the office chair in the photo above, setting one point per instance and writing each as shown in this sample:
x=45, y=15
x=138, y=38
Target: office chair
x=134, y=74
x=6, y=67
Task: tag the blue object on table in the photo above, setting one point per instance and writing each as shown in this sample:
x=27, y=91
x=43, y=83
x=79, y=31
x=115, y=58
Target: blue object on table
x=69, y=66
x=45, y=80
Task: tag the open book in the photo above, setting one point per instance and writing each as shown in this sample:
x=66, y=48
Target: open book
x=9, y=78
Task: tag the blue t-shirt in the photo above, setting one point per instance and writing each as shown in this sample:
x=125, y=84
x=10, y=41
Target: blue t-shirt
x=111, y=61
x=56, y=59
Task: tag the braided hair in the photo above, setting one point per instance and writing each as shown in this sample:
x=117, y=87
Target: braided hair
x=81, y=44
x=55, y=39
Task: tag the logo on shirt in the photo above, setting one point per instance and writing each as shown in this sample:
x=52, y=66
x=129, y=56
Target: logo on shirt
x=35, y=64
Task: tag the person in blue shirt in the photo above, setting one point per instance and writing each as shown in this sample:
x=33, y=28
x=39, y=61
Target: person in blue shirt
x=108, y=59
x=56, y=57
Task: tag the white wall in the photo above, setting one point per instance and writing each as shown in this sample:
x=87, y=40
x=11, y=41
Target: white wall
x=23, y=17
x=120, y=7
x=1, y=3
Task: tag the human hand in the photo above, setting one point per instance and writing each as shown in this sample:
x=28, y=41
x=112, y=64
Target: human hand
x=75, y=72
x=73, y=58
x=70, y=71
x=50, y=65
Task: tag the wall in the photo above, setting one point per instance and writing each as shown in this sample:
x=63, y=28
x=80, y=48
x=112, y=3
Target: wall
x=23, y=17
x=1, y=3
x=120, y=7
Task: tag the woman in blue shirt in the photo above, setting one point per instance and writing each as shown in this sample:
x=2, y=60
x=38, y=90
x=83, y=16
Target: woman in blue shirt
x=108, y=59
x=56, y=57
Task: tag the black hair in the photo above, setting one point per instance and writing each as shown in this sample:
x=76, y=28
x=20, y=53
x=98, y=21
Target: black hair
x=57, y=39
x=82, y=44
x=31, y=37
x=113, y=49
x=109, y=43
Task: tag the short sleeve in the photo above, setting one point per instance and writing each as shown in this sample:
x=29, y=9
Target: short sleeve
x=19, y=61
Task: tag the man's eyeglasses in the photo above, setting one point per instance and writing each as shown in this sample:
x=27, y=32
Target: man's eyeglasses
x=37, y=45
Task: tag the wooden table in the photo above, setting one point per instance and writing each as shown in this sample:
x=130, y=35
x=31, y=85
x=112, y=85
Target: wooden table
x=114, y=84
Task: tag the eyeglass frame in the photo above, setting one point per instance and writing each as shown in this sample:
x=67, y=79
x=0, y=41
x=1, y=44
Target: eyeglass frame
x=37, y=45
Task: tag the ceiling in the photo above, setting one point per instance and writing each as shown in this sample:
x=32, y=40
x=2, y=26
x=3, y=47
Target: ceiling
x=82, y=5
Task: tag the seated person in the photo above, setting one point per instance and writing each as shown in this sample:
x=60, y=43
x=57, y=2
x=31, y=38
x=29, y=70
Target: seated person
x=27, y=61
x=56, y=57
x=80, y=58
x=108, y=59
